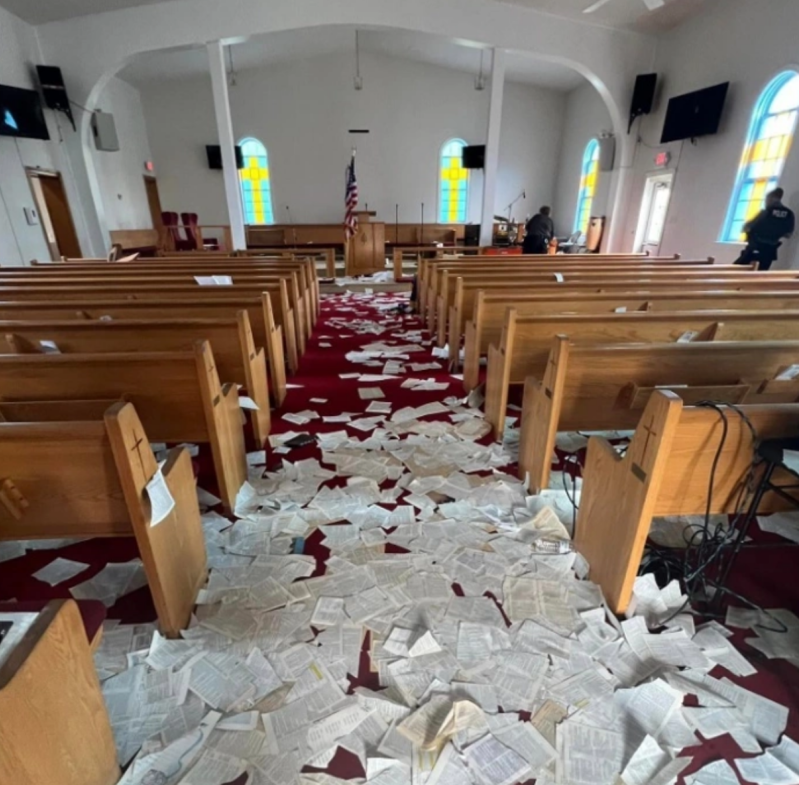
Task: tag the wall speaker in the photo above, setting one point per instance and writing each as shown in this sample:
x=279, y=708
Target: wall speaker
x=607, y=153
x=213, y=153
x=54, y=90
x=105, y=132
x=643, y=97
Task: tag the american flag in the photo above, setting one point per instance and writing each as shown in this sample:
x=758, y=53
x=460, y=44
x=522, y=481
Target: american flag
x=351, y=199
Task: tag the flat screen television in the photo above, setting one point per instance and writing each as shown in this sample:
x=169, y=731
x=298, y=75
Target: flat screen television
x=695, y=114
x=474, y=157
x=21, y=114
x=214, y=154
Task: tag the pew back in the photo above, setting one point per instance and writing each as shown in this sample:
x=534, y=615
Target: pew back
x=235, y=353
x=525, y=343
x=606, y=387
x=177, y=395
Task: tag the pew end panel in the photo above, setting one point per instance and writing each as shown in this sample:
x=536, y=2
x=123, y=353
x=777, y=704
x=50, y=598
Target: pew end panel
x=53, y=720
x=274, y=349
x=471, y=362
x=619, y=497
x=667, y=471
x=173, y=551
x=223, y=416
x=255, y=378
x=498, y=377
x=540, y=417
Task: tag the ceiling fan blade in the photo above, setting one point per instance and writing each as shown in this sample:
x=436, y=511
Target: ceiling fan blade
x=596, y=6
x=653, y=5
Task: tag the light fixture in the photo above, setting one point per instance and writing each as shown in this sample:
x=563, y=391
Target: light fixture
x=358, y=81
x=480, y=80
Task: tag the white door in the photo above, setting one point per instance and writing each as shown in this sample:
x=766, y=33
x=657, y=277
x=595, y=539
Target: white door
x=654, y=211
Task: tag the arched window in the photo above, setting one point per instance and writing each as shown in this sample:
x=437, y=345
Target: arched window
x=256, y=184
x=453, y=198
x=588, y=178
x=767, y=146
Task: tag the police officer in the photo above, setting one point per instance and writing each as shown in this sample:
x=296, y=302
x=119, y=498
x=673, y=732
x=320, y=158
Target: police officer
x=766, y=230
x=539, y=231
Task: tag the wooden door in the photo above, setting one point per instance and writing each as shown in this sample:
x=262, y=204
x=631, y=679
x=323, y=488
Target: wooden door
x=60, y=216
x=154, y=200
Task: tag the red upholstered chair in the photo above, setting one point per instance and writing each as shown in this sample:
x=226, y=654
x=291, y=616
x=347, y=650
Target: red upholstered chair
x=170, y=221
x=190, y=222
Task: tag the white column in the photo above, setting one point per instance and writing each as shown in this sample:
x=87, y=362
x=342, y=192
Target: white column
x=492, y=145
x=224, y=125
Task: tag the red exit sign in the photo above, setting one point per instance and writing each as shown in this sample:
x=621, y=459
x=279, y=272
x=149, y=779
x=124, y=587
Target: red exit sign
x=662, y=159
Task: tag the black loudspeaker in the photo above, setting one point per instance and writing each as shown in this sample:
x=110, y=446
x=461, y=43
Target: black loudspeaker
x=643, y=96
x=214, y=154
x=54, y=90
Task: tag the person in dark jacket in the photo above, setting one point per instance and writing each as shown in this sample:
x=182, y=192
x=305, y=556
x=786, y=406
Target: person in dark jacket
x=539, y=231
x=766, y=230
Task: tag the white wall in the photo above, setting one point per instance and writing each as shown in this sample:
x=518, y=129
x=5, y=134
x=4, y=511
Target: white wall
x=121, y=174
x=746, y=43
x=19, y=242
x=302, y=111
x=586, y=117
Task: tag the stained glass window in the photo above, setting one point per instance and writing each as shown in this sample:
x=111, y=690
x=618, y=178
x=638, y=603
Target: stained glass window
x=453, y=200
x=767, y=146
x=588, y=178
x=256, y=184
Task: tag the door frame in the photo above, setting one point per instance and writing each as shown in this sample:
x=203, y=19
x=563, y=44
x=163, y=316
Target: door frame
x=650, y=185
x=34, y=173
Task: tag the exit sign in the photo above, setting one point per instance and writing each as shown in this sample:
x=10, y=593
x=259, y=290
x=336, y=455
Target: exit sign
x=149, y=166
x=662, y=159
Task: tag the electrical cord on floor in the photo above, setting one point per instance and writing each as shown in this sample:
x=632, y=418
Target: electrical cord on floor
x=706, y=543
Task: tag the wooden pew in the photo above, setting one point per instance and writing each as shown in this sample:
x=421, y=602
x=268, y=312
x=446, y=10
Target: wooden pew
x=237, y=358
x=606, y=387
x=603, y=276
x=88, y=478
x=443, y=276
x=666, y=470
x=53, y=720
x=177, y=395
x=265, y=332
x=308, y=281
x=428, y=267
x=291, y=303
x=280, y=313
x=525, y=343
x=490, y=309
x=459, y=290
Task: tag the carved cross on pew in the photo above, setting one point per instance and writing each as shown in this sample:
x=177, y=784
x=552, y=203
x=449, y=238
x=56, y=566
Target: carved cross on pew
x=137, y=446
x=649, y=433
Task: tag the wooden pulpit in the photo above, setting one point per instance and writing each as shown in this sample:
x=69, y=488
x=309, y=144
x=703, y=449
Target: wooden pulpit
x=366, y=250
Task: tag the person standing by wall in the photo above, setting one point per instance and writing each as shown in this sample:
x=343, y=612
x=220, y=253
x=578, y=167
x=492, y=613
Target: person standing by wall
x=766, y=230
x=539, y=231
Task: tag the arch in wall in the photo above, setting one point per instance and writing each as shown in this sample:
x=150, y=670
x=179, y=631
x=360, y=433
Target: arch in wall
x=83, y=49
x=768, y=144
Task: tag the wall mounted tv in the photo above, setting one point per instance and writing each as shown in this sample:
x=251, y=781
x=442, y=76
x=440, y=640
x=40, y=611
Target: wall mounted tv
x=474, y=157
x=695, y=114
x=21, y=114
x=214, y=153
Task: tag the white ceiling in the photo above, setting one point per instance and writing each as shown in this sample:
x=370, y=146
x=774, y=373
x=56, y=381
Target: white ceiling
x=625, y=14
x=278, y=48
x=622, y=14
